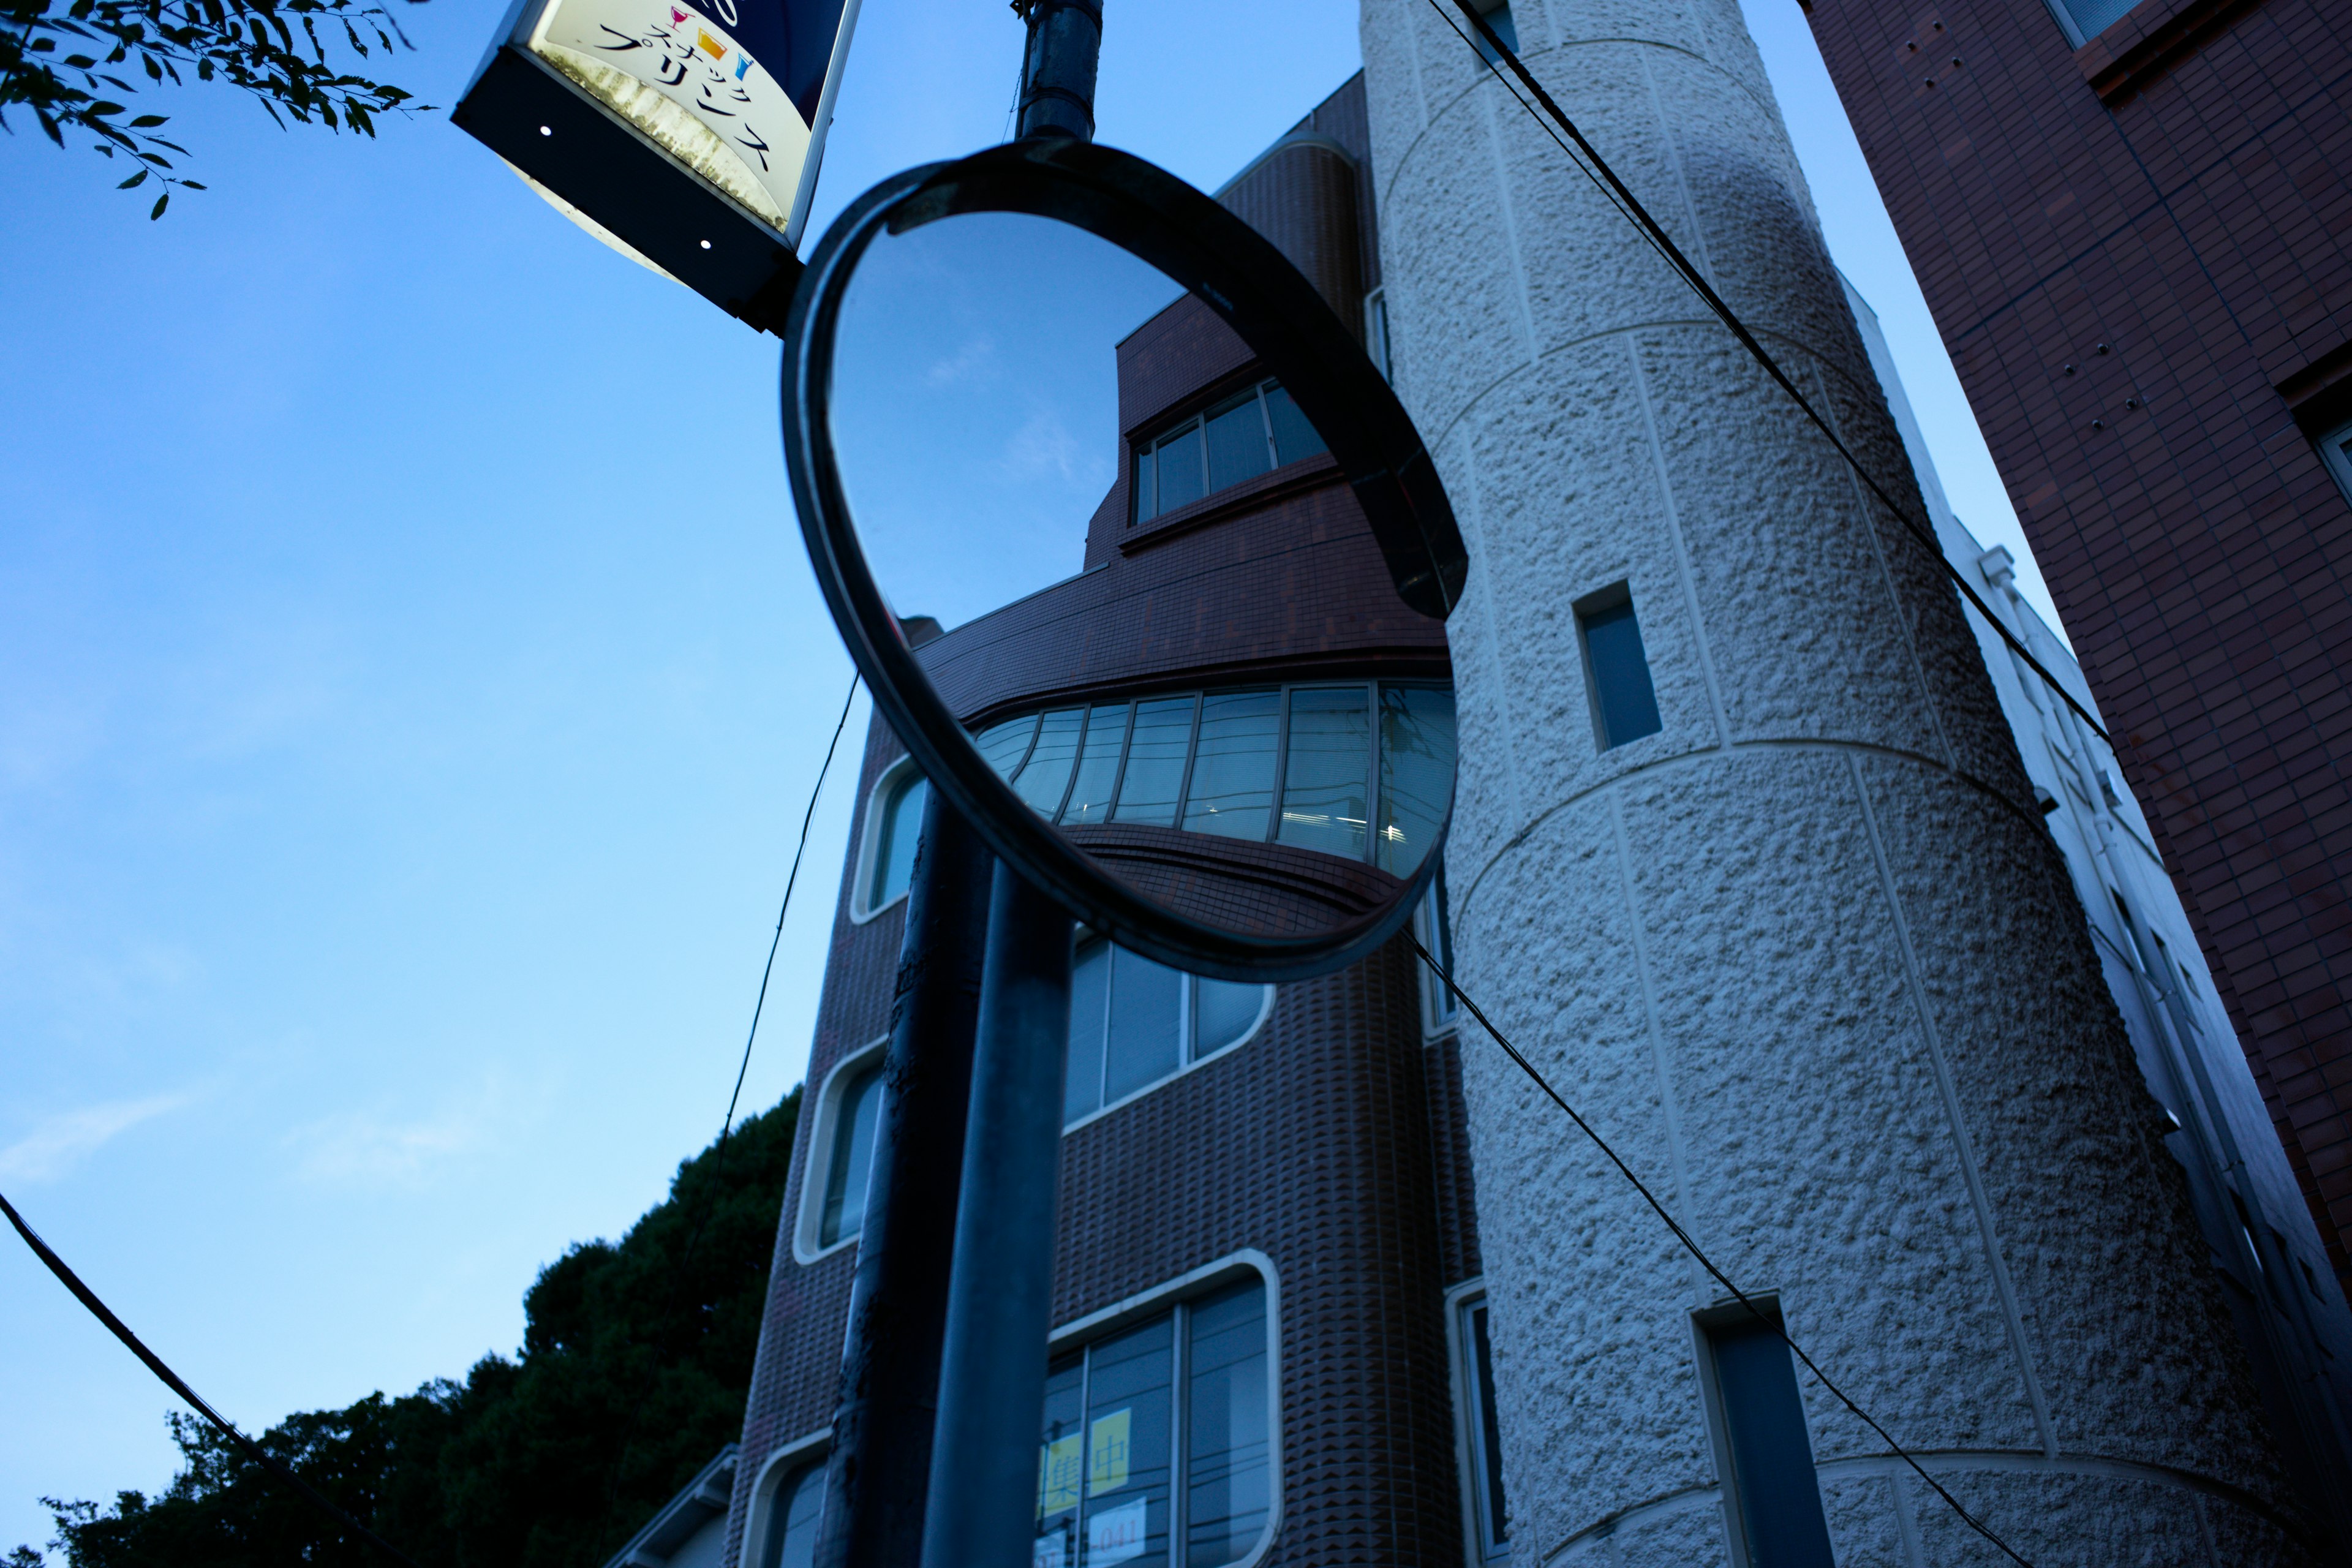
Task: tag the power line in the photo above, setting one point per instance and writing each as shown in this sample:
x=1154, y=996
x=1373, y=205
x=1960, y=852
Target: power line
x=1595, y=167
x=1694, y=1248
x=178, y=1385
x=707, y=1193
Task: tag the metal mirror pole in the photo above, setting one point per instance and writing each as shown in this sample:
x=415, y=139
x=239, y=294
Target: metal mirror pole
x=982, y=1505
x=983, y=1488
x=883, y=1420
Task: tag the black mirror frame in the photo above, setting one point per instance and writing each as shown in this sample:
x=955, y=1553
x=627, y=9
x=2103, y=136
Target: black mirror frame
x=1158, y=218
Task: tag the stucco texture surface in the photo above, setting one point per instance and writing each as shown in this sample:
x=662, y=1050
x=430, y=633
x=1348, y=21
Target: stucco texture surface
x=1806, y=957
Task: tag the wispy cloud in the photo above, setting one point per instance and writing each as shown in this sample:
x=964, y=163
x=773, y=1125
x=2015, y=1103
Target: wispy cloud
x=366, y=1149
x=967, y=359
x=1043, y=449
x=61, y=1141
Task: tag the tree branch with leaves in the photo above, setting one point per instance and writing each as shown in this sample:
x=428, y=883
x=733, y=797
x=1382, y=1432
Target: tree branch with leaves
x=61, y=59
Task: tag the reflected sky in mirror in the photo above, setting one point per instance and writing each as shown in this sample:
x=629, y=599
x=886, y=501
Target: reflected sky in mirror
x=975, y=404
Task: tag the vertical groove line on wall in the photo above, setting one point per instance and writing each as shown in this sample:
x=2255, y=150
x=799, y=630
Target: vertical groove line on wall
x=1520, y=290
x=1715, y=712
x=1965, y=1146
x=1906, y=1519
x=1671, y=1109
x=1696, y=248
x=1887, y=570
x=1482, y=584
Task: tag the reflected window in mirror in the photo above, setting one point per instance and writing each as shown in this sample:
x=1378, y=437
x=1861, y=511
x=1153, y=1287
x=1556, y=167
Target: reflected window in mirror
x=1247, y=434
x=1359, y=771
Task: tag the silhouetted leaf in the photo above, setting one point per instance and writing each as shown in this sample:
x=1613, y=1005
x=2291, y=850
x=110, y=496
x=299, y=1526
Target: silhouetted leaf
x=138, y=179
x=161, y=203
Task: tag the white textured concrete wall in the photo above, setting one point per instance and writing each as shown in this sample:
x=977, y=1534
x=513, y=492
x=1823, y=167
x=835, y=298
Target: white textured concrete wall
x=1807, y=955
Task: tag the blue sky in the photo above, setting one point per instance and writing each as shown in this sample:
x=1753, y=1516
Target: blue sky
x=412, y=683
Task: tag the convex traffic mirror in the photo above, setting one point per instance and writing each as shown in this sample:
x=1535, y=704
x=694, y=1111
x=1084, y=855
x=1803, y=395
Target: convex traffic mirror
x=1138, y=551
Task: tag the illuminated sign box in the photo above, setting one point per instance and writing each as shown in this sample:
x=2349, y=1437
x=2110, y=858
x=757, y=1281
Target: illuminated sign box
x=686, y=136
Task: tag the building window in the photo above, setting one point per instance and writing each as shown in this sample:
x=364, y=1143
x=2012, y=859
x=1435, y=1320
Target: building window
x=1134, y=1023
x=1375, y=332
x=2082, y=20
x=1616, y=671
x=1480, y=1430
x=1441, y=1010
x=2335, y=448
x=849, y=1117
x=1498, y=17
x=1363, y=772
x=1247, y=435
x=1771, y=1494
x=1157, y=1444
x=791, y=1540
x=894, y=828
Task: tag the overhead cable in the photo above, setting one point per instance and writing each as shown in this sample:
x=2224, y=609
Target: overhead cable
x=1699, y=1253
x=178, y=1385
x=1595, y=167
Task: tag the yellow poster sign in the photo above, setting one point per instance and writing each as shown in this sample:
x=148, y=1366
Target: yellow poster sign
x=1057, y=1475
x=1108, y=1450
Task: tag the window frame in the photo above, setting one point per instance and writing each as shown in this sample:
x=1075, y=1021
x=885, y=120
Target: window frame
x=809, y=1225
x=2338, y=462
x=1373, y=688
x=1232, y=1268
x=1469, y=1466
x=1432, y=923
x=1185, y=1025
x=1140, y=447
x=781, y=1465
x=870, y=843
x=1599, y=601
x=1377, y=344
x=1718, y=1427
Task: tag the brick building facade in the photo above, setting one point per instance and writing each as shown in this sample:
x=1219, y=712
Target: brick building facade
x=2134, y=228
x=1322, y=1156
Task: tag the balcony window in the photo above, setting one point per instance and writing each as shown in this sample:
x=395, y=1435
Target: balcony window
x=1361, y=771
x=1157, y=1441
x=1134, y=1023
x=1244, y=435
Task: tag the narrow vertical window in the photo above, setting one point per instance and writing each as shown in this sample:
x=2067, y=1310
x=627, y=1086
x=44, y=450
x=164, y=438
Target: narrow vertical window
x=1295, y=436
x=1616, y=671
x=1082, y=1072
x=1327, y=778
x=1498, y=17
x=1416, y=774
x=1130, y=1414
x=1142, y=1043
x=1147, y=489
x=1775, y=1497
x=1098, y=766
x=897, y=829
x=1232, y=792
x=1489, y=1520
x=1044, y=778
x=1440, y=1008
x=792, y=1519
x=1155, y=763
x=1228, y=1458
x=854, y=1119
x=1182, y=478
x=1238, y=444
x=1376, y=331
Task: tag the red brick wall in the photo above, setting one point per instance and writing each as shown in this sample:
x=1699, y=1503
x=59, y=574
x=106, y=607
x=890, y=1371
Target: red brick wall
x=2168, y=211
